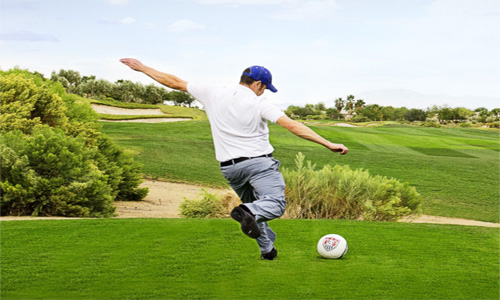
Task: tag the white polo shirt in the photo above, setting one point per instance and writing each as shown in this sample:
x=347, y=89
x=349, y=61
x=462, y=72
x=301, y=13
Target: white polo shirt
x=238, y=119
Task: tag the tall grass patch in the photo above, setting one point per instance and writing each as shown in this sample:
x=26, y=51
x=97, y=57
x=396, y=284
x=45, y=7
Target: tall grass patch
x=339, y=192
x=209, y=205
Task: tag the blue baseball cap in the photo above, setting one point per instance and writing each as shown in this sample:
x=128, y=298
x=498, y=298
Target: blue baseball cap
x=262, y=74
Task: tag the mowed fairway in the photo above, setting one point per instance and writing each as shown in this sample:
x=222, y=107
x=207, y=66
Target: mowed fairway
x=212, y=259
x=455, y=169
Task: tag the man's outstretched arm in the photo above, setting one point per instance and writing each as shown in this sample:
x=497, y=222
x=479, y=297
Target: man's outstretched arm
x=305, y=132
x=168, y=80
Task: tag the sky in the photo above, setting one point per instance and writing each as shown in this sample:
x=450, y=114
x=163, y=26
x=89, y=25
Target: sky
x=412, y=53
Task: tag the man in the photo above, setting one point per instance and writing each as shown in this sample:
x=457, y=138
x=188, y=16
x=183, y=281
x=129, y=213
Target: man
x=238, y=118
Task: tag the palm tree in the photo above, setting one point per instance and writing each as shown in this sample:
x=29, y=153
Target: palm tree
x=339, y=104
x=359, y=105
x=349, y=105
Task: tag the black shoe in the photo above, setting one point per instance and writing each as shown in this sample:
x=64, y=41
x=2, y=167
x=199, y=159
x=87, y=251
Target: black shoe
x=247, y=221
x=271, y=255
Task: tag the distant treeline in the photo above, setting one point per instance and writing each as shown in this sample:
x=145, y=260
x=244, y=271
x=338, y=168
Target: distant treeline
x=353, y=110
x=349, y=109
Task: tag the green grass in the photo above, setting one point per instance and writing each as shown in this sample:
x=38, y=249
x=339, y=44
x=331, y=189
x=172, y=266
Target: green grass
x=179, y=111
x=212, y=259
x=183, y=152
x=455, y=169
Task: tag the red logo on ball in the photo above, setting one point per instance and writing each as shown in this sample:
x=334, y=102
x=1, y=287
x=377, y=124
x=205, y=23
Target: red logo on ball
x=330, y=243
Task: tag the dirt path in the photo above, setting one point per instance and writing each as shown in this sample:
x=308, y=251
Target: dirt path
x=446, y=220
x=162, y=201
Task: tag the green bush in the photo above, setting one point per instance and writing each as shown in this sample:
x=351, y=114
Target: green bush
x=38, y=113
x=79, y=110
x=430, y=124
x=493, y=125
x=122, y=171
x=360, y=118
x=465, y=125
x=51, y=174
x=209, y=206
x=26, y=104
x=339, y=192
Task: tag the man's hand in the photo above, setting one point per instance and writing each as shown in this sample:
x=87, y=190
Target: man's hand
x=133, y=63
x=338, y=148
x=305, y=132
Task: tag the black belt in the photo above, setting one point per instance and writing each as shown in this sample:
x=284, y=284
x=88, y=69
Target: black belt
x=240, y=159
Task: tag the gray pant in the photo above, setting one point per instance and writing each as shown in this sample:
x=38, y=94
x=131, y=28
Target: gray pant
x=260, y=186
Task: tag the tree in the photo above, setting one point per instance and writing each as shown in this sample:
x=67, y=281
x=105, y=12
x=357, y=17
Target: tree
x=399, y=113
x=339, y=104
x=495, y=112
x=127, y=91
x=482, y=113
x=70, y=80
x=462, y=113
x=291, y=111
x=388, y=113
x=481, y=110
x=180, y=98
x=349, y=106
x=333, y=113
x=320, y=107
x=358, y=106
x=152, y=94
x=415, y=115
x=371, y=111
x=103, y=88
x=445, y=114
x=310, y=110
x=88, y=86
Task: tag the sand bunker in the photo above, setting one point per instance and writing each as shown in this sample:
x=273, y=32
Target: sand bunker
x=112, y=110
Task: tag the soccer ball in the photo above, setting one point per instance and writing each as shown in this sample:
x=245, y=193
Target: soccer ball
x=332, y=246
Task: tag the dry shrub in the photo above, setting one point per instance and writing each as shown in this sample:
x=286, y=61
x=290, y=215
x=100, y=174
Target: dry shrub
x=210, y=205
x=339, y=192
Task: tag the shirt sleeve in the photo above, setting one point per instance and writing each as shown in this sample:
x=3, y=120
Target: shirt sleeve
x=199, y=91
x=270, y=112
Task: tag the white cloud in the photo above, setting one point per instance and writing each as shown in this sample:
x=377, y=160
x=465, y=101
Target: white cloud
x=305, y=10
x=118, y=2
x=184, y=25
x=204, y=40
x=127, y=20
x=464, y=8
x=150, y=25
x=28, y=36
x=291, y=10
x=243, y=2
